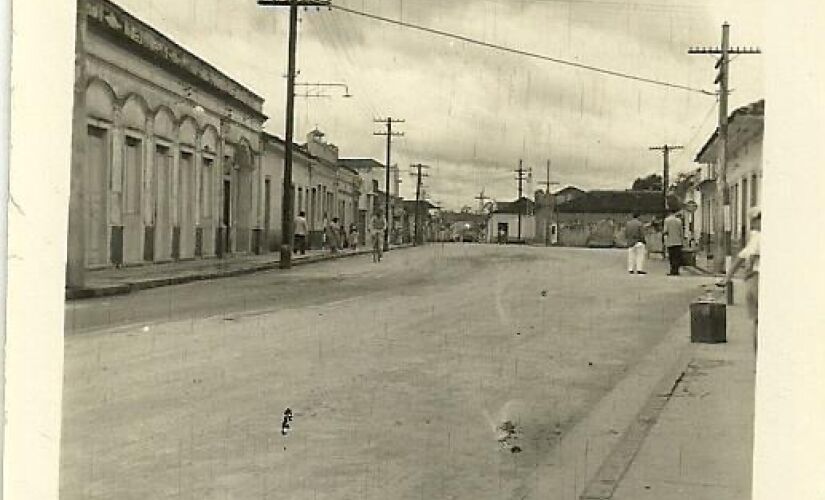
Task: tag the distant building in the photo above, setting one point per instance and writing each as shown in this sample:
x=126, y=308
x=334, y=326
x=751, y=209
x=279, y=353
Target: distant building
x=545, y=212
x=504, y=221
x=597, y=218
x=372, y=196
x=744, y=172
x=425, y=210
x=567, y=193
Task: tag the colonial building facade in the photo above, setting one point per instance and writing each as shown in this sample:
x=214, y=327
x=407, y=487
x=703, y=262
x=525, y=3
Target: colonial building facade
x=172, y=151
x=744, y=173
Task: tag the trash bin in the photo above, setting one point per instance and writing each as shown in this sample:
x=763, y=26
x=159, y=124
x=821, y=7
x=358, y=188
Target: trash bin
x=708, y=321
x=689, y=257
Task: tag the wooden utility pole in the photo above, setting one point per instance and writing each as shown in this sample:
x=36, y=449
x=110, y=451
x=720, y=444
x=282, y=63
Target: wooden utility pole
x=665, y=149
x=287, y=202
x=722, y=256
x=520, y=176
x=390, y=134
x=419, y=176
x=547, y=183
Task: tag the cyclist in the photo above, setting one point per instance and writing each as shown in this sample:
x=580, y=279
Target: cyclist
x=377, y=226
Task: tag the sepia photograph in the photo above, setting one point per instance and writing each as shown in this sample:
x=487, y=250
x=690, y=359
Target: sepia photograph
x=408, y=249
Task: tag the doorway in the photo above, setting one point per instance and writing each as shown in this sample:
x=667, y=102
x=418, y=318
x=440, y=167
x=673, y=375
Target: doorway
x=163, y=201
x=132, y=219
x=226, y=215
x=186, y=205
x=96, y=191
x=267, y=211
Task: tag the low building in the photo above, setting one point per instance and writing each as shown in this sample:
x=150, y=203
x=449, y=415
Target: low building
x=372, y=195
x=545, y=212
x=322, y=188
x=597, y=218
x=744, y=172
x=171, y=162
x=425, y=220
x=512, y=221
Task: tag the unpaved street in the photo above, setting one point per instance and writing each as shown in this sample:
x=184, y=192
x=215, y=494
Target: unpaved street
x=398, y=374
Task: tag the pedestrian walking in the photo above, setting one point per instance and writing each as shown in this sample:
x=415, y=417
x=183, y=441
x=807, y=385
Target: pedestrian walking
x=329, y=236
x=339, y=234
x=636, y=249
x=353, y=237
x=377, y=227
x=300, y=233
x=749, y=256
x=674, y=237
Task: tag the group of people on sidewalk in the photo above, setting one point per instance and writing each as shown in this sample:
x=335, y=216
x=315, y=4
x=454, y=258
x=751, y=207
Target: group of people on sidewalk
x=336, y=237
x=673, y=240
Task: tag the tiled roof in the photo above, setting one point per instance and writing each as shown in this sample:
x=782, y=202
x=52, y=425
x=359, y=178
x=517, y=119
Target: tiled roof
x=754, y=109
x=360, y=163
x=410, y=204
x=568, y=189
x=522, y=205
x=614, y=202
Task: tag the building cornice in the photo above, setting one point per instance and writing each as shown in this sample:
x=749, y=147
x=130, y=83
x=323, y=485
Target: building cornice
x=122, y=27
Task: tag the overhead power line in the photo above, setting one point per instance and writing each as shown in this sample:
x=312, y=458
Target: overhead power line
x=519, y=51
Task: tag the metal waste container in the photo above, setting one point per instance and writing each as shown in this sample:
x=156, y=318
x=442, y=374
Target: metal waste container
x=708, y=321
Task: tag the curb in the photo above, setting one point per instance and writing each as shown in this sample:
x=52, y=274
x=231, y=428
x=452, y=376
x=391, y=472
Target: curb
x=604, y=483
x=146, y=284
x=591, y=454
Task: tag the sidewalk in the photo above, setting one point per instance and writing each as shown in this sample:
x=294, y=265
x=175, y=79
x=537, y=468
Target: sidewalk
x=695, y=441
x=112, y=281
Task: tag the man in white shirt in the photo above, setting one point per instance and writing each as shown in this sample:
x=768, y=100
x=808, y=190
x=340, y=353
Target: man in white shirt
x=636, y=251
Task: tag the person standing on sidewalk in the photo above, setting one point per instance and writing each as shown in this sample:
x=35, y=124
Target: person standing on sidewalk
x=330, y=236
x=300, y=234
x=750, y=257
x=636, y=250
x=674, y=239
x=353, y=237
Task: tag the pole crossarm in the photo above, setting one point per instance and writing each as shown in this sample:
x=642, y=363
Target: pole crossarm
x=717, y=50
x=299, y=3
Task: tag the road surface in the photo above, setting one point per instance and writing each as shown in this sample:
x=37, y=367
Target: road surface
x=400, y=374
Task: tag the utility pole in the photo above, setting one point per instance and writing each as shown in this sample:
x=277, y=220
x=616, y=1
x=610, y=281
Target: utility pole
x=520, y=176
x=722, y=255
x=665, y=149
x=390, y=134
x=287, y=231
x=418, y=175
x=547, y=185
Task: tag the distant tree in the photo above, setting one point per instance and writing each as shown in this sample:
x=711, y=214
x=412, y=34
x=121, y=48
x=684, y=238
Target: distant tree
x=652, y=182
x=466, y=209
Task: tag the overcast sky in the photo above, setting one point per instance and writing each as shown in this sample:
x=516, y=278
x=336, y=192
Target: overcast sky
x=472, y=112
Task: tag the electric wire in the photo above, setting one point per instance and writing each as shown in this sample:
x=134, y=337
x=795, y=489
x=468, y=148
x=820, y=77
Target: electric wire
x=520, y=52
